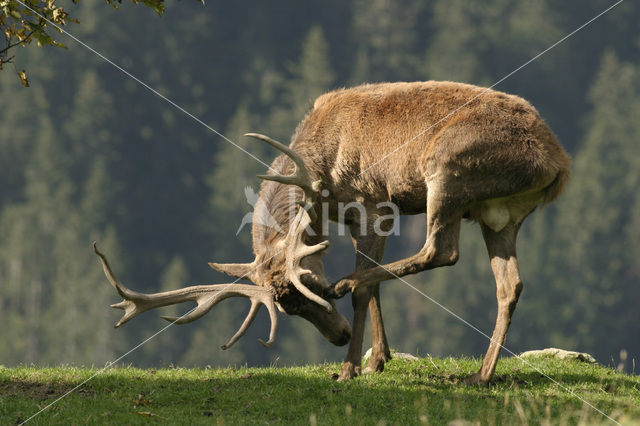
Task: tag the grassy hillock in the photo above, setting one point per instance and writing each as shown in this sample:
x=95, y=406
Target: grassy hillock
x=427, y=391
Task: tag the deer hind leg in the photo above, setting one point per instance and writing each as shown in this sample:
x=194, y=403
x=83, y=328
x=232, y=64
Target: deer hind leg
x=367, y=247
x=440, y=249
x=441, y=246
x=502, y=252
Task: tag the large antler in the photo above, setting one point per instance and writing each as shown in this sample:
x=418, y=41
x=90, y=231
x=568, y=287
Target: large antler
x=296, y=248
x=296, y=251
x=206, y=296
x=300, y=176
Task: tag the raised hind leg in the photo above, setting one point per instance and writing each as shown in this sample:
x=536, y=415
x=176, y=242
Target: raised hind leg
x=502, y=252
x=444, y=214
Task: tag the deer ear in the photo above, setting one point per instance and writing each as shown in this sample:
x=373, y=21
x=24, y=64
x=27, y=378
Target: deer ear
x=238, y=270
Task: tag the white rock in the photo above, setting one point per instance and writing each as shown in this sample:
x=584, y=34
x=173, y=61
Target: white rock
x=394, y=355
x=559, y=354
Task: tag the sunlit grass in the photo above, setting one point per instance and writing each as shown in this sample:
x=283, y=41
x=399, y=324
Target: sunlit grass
x=427, y=391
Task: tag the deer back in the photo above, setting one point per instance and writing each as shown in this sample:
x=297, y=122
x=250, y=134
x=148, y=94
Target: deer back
x=385, y=142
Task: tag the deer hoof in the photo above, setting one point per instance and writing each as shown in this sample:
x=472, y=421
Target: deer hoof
x=343, y=286
x=348, y=372
x=375, y=364
x=330, y=293
x=476, y=379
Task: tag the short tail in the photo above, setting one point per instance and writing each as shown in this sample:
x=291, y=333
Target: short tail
x=556, y=187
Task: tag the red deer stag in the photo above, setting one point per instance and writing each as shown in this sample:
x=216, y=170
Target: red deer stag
x=448, y=149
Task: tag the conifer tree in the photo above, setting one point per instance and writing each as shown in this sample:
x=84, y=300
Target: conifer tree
x=481, y=42
x=169, y=346
x=310, y=77
x=597, y=268
x=385, y=34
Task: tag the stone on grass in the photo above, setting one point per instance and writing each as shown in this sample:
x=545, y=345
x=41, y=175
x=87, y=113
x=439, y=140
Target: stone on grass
x=559, y=354
x=394, y=355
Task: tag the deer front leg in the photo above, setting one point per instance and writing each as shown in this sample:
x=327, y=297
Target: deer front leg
x=351, y=366
x=380, y=347
x=380, y=352
x=502, y=251
x=362, y=284
x=369, y=249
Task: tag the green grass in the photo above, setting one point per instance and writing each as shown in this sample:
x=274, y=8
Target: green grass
x=408, y=392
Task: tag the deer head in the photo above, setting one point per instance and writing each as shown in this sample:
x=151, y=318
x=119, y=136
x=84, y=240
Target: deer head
x=285, y=273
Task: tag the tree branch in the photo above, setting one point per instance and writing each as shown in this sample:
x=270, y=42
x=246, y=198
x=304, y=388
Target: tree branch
x=17, y=43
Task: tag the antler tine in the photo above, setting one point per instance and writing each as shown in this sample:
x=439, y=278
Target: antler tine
x=115, y=282
x=238, y=270
x=298, y=250
x=299, y=178
x=206, y=297
x=204, y=305
x=253, y=311
x=257, y=299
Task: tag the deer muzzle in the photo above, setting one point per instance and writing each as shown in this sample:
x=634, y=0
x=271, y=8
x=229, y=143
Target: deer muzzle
x=333, y=325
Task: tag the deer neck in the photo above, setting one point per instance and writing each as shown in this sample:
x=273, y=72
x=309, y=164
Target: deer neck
x=274, y=211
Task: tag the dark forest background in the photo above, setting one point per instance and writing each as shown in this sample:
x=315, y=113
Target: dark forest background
x=88, y=154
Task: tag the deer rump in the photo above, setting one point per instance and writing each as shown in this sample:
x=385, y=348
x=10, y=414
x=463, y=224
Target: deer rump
x=451, y=150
